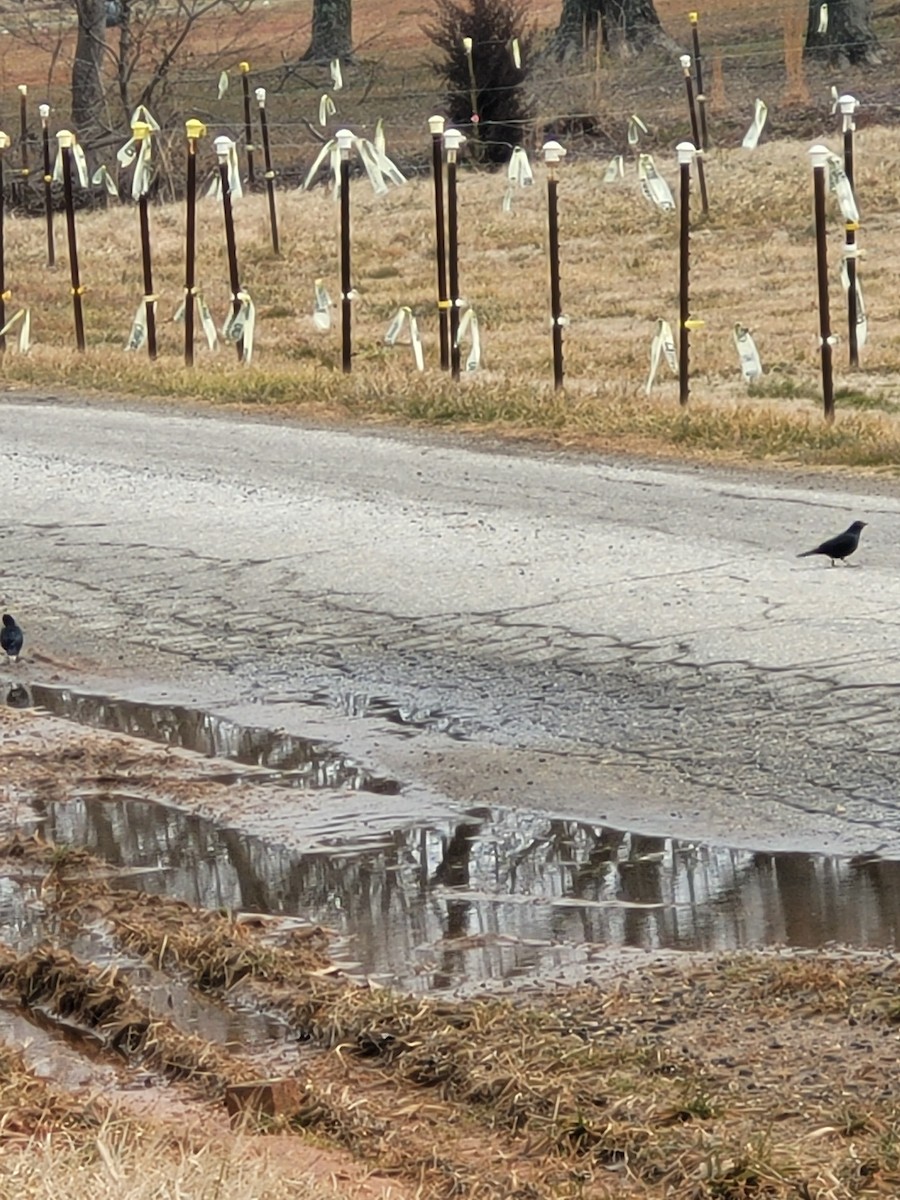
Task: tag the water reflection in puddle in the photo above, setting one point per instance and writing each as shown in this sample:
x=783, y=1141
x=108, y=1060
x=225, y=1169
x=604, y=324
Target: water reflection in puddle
x=26, y=923
x=293, y=761
x=502, y=894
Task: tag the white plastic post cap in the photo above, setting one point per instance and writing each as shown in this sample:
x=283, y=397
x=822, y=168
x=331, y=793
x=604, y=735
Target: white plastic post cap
x=44, y=111
x=848, y=105
x=344, y=139
x=66, y=139
x=436, y=125
x=685, y=152
x=818, y=155
x=553, y=152
x=685, y=61
x=22, y=89
x=4, y=140
x=260, y=97
x=223, y=145
x=453, y=139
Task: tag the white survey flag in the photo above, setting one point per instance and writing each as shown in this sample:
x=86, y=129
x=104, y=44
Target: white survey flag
x=468, y=326
x=840, y=185
x=753, y=134
x=402, y=317
x=518, y=174
x=653, y=186
x=662, y=346
x=751, y=366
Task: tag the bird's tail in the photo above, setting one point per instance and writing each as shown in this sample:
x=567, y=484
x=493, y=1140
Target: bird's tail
x=807, y=553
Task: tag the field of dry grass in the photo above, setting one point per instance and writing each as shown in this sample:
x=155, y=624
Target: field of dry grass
x=752, y=262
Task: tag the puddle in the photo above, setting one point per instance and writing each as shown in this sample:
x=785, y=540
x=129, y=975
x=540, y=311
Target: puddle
x=292, y=761
x=499, y=895
x=25, y=923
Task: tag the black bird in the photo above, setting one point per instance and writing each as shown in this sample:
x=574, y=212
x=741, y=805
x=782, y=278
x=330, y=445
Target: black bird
x=840, y=547
x=11, y=637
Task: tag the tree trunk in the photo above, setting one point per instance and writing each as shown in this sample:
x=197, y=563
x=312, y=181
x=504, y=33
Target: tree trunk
x=848, y=36
x=632, y=24
x=331, y=36
x=88, y=99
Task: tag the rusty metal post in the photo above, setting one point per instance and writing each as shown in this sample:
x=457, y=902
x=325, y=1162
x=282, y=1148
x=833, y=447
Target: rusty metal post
x=694, y=18
x=686, y=152
x=270, y=174
x=195, y=130
x=819, y=158
x=44, y=110
x=66, y=140
x=224, y=146
x=685, y=61
x=453, y=139
x=344, y=139
x=848, y=106
x=553, y=153
x=436, y=128
x=4, y=295
x=248, y=128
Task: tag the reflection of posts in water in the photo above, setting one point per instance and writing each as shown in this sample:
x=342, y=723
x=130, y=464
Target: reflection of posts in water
x=454, y=871
x=640, y=879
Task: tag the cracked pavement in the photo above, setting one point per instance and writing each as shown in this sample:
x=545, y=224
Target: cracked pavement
x=632, y=643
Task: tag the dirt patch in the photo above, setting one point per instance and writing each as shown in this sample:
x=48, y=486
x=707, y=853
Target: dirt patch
x=704, y=1076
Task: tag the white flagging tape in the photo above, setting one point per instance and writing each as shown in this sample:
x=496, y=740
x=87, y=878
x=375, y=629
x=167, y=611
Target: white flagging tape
x=400, y=318
x=377, y=164
x=323, y=306
x=653, y=187
x=80, y=162
x=223, y=84
x=635, y=128
x=326, y=109
x=138, y=334
x=468, y=326
x=753, y=134
x=615, y=170
x=207, y=324
x=337, y=79
x=241, y=325
x=862, y=322
x=751, y=366
x=840, y=185
x=662, y=346
x=235, y=187
x=139, y=152
x=102, y=176
x=518, y=174
x=23, y=319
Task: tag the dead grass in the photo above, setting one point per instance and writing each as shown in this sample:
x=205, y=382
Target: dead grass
x=753, y=262
x=126, y=1159
x=734, y=1076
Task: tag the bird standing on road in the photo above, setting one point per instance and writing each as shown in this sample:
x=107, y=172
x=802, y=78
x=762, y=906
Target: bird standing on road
x=840, y=547
x=11, y=637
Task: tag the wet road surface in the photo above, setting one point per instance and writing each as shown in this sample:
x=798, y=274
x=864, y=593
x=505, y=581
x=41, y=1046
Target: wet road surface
x=622, y=644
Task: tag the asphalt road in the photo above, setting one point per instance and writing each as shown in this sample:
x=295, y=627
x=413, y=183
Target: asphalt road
x=616, y=641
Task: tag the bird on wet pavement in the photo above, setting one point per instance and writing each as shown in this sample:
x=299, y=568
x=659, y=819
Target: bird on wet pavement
x=840, y=547
x=11, y=637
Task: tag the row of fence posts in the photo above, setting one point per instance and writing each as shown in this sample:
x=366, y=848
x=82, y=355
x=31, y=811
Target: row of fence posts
x=819, y=155
x=446, y=144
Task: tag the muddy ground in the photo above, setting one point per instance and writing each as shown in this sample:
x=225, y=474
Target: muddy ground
x=655, y=1075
